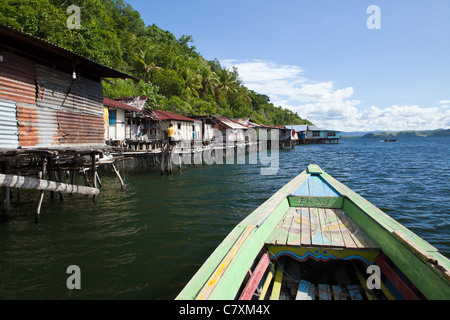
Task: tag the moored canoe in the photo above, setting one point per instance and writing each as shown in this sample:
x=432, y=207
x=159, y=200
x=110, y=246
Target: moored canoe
x=317, y=239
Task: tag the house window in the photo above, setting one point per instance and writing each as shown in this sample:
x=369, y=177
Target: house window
x=179, y=125
x=316, y=134
x=112, y=117
x=332, y=134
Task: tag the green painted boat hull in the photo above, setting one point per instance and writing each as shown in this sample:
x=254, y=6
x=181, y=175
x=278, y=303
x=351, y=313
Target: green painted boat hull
x=421, y=263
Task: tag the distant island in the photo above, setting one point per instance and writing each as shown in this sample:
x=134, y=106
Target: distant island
x=397, y=134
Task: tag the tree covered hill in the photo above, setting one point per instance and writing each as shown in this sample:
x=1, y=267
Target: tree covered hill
x=408, y=134
x=172, y=73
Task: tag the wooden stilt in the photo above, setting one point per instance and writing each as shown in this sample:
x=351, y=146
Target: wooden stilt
x=94, y=178
x=98, y=179
x=38, y=210
x=41, y=196
x=162, y=158
x=118, y=175
x=169, y=163
x=60, y=179
x=51, y=174
x=86, y=178
x=6, y=197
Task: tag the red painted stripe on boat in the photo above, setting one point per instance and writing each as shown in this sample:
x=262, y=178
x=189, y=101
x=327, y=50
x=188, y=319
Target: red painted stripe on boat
x=402, y=287
x=256, y=277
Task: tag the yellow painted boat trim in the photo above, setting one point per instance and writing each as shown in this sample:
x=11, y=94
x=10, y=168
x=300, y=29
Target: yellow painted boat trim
x=277, y=284
x=211, y=284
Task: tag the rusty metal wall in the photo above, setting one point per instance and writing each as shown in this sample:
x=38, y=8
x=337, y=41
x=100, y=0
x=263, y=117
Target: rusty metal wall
x=51, y=108
x=17, y=79
x=52, y=87
x=86, y=96
x=38, y=126
x=77, y=106
x=59, y=91
x=80, y=129
x=8, y=125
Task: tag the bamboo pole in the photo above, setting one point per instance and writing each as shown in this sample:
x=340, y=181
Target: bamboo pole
x=13, y=181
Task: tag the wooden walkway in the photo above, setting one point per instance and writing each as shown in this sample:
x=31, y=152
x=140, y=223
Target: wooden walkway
x=322, y=227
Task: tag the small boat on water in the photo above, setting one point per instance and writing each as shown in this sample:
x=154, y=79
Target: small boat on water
x=390, y=140
x=317, y=239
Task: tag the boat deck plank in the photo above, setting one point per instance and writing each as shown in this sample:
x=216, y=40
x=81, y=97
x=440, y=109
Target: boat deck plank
x=324, y=227
x=305, y=238
x=316, y=228
x=294, y=236
x=334, y=229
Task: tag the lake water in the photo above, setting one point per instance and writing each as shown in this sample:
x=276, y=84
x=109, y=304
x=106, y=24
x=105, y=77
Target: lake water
x=146, y=242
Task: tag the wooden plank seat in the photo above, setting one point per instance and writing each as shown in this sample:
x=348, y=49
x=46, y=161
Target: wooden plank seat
x=320, y=227
x=311, y=291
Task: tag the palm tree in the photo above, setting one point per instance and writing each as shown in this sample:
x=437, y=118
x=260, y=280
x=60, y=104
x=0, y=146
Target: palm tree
x=145, y=59
x=192, y=81
x=227, y=83
x=209, y=81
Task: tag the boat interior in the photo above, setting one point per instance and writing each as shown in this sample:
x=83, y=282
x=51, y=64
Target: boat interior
x=317, y=252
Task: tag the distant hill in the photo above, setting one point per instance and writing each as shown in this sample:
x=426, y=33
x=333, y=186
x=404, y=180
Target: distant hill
x=408, y=134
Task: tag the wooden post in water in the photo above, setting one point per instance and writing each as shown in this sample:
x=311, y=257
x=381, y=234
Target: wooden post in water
x=169, y=163
x=162, y=158
x=41, y=196
x=60, y=179
x=72, y=180
x=51, y=174
x=118, y=175
x=6, y=197
x=94, y=170
x=86, y=178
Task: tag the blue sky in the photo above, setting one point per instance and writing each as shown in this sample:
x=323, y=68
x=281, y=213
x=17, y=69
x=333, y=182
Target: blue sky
x=318, y=58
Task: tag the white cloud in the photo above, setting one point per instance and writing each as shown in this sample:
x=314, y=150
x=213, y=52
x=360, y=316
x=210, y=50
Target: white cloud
x=330, y=107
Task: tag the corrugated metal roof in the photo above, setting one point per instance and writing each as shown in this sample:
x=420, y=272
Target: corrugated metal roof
x=280, y=127
x=117, y=104
x=248, y=123
x=314, y=128
x=165, y=115
x=298, y=127
x=135, y=102
x=229, y=124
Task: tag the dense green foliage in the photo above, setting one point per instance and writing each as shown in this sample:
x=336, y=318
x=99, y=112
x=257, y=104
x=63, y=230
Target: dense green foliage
x=171, y=72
